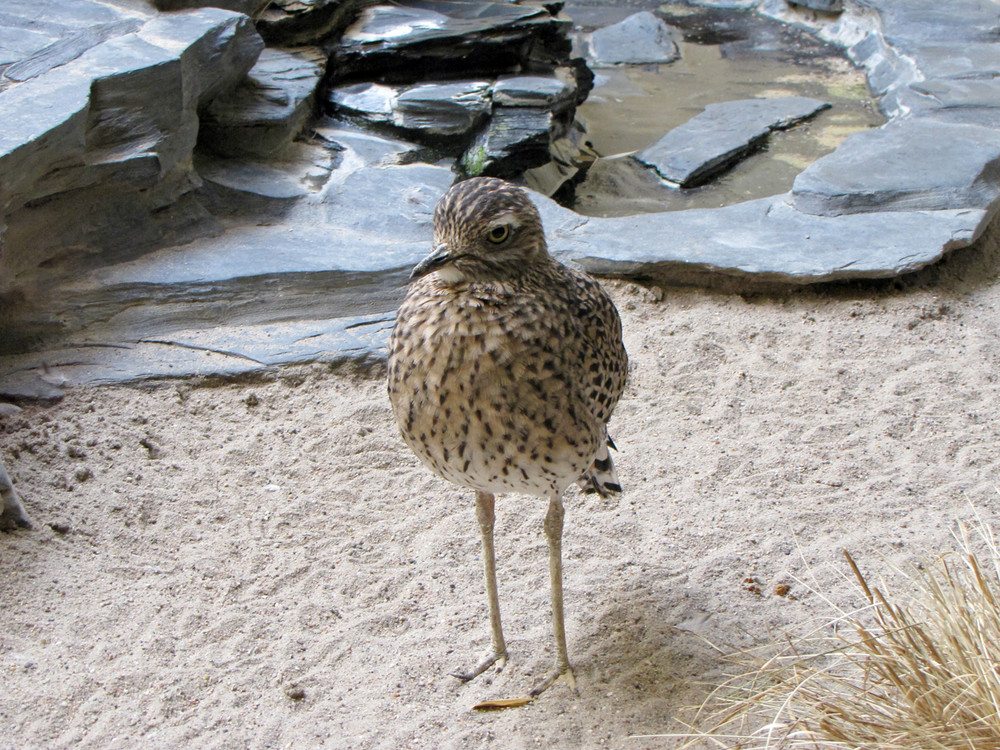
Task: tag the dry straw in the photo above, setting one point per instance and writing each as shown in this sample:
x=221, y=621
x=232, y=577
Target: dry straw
x=919, y=675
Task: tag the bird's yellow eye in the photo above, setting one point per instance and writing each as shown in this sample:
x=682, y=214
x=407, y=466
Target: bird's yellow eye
x=498, y=234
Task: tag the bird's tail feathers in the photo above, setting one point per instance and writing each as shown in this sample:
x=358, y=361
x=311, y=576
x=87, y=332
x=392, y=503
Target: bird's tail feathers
x=601, y=477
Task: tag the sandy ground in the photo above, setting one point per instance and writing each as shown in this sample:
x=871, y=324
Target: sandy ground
x=263, y=564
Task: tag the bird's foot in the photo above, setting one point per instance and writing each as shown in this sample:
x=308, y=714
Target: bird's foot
x=12, y=515
x=565, y=674
x=498, y=657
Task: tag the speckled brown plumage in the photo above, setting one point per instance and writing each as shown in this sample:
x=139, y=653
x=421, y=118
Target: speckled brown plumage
x=505, y=366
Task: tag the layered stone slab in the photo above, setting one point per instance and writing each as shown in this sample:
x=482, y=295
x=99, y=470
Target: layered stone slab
x=224, y=350
x=265, y=112
x=442, y=108
x=294, y=23
x=322, y=289
x=428, y=37
x=914, y=164
x=762, y=240
x=311, y=251
x=554, y=93
x=974, y=101
x=67, y=48
x=110, y=133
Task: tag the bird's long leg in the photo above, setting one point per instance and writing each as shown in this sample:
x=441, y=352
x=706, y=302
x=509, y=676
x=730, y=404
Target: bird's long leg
x=12, y=513
x=553, y=531
x=486, y=517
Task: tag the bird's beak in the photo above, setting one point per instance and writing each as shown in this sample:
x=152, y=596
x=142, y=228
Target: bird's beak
x=441, y=256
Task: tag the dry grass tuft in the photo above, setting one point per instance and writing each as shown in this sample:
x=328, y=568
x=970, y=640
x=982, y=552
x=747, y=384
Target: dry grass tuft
x=924, y=675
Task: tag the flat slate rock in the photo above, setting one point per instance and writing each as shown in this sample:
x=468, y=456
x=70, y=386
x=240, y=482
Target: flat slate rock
x=384, y=27
x=973, y=101
x=344, y=250
x=266, y=187
x=711, y=142
x=554, y=93
x=954, y=21
x=373, y=219
x=217, y=330
x=914, y=164
x=68, y=48
x=442, y=108
x=324, y=285
x=370, y=102
x=763, y=240
x=39, y=33
x=971, y=60
x=642, y=38
x=363, y=148
x=210, y=308
x=223, y=350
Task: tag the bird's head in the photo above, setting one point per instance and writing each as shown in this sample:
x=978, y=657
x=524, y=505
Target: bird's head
x=485, y=229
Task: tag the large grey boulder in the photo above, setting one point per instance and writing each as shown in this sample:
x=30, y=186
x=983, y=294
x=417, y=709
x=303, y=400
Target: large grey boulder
x=95, y=155
x=641, y=38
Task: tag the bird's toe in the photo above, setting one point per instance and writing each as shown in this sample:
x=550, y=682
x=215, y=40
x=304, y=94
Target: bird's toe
x=565, y=674
x=498, y=658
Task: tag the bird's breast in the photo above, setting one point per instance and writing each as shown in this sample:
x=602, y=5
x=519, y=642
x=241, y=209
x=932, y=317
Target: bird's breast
x=482, y=393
